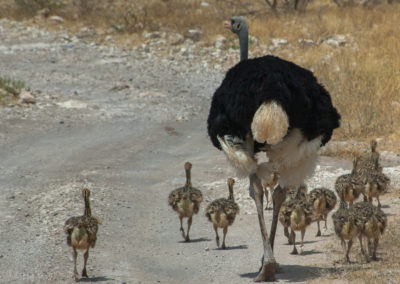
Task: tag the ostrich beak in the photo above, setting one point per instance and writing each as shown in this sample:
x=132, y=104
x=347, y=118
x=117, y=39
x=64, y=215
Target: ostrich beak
x=227, y=25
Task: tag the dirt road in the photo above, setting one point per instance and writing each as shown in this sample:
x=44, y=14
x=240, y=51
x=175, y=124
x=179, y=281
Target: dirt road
x=123, y=125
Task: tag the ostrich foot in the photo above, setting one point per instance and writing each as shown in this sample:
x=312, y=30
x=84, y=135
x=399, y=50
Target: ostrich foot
x=76, y=277
x=365, y=255
x=278, y=269
x=183, y=233
x=267, y=272
x=84, y=273
x=346, y=260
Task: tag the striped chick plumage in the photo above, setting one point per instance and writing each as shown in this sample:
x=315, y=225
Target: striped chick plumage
x=222, y=212
x=81, y=232
x=323, y=201
x=377, y=183
x=373, y=224
x=351, y=186
x=291, y=194
x=186, y=201
x=347, y=225
x=296, y=213
x=367, y=163
x=82, y=224
x=269, y=186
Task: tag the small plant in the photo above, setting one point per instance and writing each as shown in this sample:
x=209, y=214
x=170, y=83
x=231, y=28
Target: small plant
x=10, y=89
x=30, y=7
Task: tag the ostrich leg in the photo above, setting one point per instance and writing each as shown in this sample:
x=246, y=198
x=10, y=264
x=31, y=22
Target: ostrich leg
x=268, y=268
x=277, y=198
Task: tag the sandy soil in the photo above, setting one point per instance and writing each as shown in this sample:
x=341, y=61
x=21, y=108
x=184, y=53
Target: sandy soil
x=124, y=125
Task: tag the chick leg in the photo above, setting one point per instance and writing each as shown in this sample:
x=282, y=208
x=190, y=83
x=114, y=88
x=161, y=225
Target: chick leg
x=216, y=234
x=187, y=234
x=181, y=229
x=75, y=255
x=85, y=258
x=225, y=232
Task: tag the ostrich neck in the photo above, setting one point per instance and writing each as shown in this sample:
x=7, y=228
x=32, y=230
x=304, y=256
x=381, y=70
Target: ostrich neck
x=87, y=212
x=231, y=194
x=188, y=178
x=342, y=204
x=244, y=44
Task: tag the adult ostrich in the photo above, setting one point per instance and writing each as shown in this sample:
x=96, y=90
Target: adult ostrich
x=269, y=104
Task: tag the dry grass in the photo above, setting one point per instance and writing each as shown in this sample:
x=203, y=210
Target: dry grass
x=9, y=90
x=345, y=149
x=362, y=76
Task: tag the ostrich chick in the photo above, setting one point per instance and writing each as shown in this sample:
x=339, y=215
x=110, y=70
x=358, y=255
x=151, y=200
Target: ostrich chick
x=292, y=193
x=82, y=233
x=323, y=200
x=377, y=183
x=347, y=226
x=373, y=224
x=367, y=163
x=351, y=185
x=222, y=212
x=297, y=214
x=269, y=186
x=186, y=201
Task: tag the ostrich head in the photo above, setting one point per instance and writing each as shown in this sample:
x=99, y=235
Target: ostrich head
x=239, y=26
x=188, y=166
x=374, y=143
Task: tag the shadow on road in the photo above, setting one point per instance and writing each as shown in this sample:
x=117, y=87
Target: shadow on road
x=96, y=279
x=309, y=252
x=296, y=273
x=233, y=247
x=196, y=240
x=298, y=243
x=326, y=235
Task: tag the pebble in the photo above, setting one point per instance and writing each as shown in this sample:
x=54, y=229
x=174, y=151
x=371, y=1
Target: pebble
x=335, y=40
x=56, y=19
x=175, y=39
x=194, y=34
x=279, y=41
x=26, y=97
